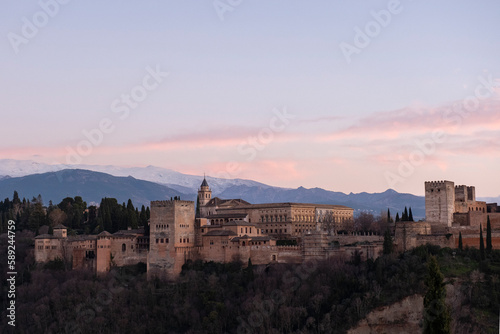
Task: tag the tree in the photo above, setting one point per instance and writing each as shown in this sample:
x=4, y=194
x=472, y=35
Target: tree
x=389, y=219
x=481, y=242
x=410, y=216
x=198, y=215
x=388, y=243
x=397, y=217
x=364, y=222
x=460, y=245
x=489, y=246
x=436, y=314
x=405, y=215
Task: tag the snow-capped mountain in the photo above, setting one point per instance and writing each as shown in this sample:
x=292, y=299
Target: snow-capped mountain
x=181, y=182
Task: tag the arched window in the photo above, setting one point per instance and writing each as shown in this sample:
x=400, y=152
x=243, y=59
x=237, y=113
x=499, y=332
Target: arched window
x=124, y=247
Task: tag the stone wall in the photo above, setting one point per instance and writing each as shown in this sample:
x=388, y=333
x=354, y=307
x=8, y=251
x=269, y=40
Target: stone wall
x=440, y=202
x=48, y=249
x=406, y=234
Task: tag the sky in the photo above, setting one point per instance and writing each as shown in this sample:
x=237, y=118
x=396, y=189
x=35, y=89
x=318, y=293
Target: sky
x=347, y=96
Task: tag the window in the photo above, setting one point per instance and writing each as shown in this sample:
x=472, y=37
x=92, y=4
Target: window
x=157, y=240
x=124, y=247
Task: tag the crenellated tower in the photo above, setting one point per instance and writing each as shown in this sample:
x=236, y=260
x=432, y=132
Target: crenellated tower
x=439, y=203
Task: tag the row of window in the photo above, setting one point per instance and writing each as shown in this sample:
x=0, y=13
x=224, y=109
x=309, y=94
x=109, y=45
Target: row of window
x=161, y=227
x=276, y=230
x=267, y=219
x=47, y=247
x=246, y=230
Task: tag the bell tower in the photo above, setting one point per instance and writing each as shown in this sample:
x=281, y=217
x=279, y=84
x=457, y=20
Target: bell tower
x=204, y=194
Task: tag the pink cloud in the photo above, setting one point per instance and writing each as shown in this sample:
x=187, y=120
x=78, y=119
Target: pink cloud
x=402, y=123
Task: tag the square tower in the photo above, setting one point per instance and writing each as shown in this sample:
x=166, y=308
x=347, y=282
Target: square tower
x=172, y=226
x=471, y=193
x=439, y=203
x=461, y=194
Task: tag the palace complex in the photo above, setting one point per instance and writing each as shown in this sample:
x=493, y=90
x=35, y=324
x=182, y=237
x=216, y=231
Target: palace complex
x=225, y=230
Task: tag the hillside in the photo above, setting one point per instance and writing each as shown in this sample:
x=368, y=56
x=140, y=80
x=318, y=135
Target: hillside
x=91, y=186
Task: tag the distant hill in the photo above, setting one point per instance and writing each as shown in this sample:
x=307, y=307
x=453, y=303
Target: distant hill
x=91, y=186
x=374, y=203
x=94, y=182
x=183, y=183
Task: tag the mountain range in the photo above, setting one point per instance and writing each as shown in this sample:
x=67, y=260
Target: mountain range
x=144, y=184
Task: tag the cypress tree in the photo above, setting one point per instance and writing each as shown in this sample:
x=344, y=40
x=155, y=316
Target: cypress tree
x=197, y=207
x=436, y=314
x=489, y=246
x=405, y=215
x=410, y=217
x=397, y=217
x=388, y=216
x=460, y=245
x=481, y=243
x=388, y=243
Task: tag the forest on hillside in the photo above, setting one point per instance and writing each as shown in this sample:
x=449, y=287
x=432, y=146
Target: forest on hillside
x=73, y=213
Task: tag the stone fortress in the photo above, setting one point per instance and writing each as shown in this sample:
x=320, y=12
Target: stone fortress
x=235, y=230
x=449, y=210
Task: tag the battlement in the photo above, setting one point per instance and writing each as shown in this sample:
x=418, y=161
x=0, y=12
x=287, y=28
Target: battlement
x=170, y=203
x=438, y=183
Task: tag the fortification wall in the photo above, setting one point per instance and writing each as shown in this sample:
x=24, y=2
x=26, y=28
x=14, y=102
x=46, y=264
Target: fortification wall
x=406, y=234
x=443, y=240
x=125, y=253
x=345, y=239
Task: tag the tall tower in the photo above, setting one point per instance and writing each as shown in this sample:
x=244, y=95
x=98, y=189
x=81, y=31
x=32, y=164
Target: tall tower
x=439, y=203
x=172, y=234
x=204, y=194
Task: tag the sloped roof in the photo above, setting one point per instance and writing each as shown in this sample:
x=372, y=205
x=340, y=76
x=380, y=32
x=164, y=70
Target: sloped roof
x=239, y=223
x=46, y=236
x=59, y=226
x=216, y=201
x=104, y=234
x=227, y=215
x=204, y=183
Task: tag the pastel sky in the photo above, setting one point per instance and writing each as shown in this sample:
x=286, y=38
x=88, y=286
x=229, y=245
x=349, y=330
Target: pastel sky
x=348, y=96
